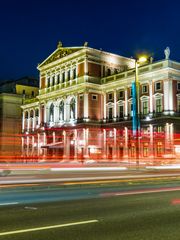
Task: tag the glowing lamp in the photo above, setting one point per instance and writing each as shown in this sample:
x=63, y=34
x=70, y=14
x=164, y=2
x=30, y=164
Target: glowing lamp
x=142, y=59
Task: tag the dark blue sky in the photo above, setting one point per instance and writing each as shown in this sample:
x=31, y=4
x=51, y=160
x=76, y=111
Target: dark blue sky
x=31, y=29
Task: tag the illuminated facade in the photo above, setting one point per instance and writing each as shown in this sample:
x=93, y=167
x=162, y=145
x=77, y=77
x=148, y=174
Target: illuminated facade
x=84, y=108
x=12, y=95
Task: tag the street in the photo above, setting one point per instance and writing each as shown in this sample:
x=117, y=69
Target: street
x=122, y=210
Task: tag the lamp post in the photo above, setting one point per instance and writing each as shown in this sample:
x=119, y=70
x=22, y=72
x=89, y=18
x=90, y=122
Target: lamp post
x=136, y=108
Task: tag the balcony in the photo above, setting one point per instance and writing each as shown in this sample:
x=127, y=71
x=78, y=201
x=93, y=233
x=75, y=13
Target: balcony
x=30, y=100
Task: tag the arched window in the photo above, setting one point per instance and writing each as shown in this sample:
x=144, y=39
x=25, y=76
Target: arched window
x=31, y=113
x=37, y=112
x=51, y=113
x=61, y=111
x=26, y=114
x=72, y=108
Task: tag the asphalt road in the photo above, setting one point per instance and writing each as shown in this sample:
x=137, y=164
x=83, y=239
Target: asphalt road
x=92, y=213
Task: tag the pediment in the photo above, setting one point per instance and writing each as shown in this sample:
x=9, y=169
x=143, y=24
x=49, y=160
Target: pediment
x=58, y=54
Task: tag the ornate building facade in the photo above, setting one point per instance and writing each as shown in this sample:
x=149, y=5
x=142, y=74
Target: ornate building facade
x=12, y=95
x=84, y=108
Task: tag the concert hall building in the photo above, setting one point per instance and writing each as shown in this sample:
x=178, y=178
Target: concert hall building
x=84, y=108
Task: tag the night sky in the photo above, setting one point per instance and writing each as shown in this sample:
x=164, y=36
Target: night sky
x=31, y=29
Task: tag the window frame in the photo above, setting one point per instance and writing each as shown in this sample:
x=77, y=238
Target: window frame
x=96, y=97
x=156, y=86
x=145, y=85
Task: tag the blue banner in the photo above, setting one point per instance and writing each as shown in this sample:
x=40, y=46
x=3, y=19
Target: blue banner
x=134, y=109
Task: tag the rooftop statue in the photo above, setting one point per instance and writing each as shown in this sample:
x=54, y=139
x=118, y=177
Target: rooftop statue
x=167, y=52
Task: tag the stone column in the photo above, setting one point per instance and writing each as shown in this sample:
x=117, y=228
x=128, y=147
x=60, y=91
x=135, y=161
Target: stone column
x=28, y=121
x=115, y=107
x=56, y=113
x=126, y=104
x=125, y=143
x=150, y=97
x=65, y=109
x=23, y=121
x=151, y=142
x=115, y=145
x=75, y=143
x=76, y=107
x=166, y=96
x=104, y=106
x=86, y=106
x=104, y=144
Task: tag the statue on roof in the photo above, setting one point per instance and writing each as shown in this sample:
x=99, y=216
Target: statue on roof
x=167, y=52
x=85, y=44
x=59, y=44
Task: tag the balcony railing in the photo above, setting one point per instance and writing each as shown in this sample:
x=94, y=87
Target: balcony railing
x=30, y=100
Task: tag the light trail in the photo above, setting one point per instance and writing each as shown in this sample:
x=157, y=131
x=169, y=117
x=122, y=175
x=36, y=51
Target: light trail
x=93, y=179
x=48, y=227
x=136, y=192
x=8, y=203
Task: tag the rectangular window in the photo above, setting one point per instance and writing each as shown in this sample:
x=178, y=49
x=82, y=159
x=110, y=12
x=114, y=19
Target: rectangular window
x=131, y=110
x=158, y=105
x=48, y=82
x=74, y=73
x=145, y=107
x=94, y=97
x=69, y=75
x=121, y=94
x=58, y=79
x=81, y=97
x=108, y=72
x=144, y=88
x=110, y=113
x=110, y=96
x=121, y=111
x=53, y=80
x=178, y=86
x=63, y=77
x=178, y=105
x=130, y=92
x=157, y=86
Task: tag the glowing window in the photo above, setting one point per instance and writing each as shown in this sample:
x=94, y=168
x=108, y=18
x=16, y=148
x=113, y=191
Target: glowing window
x=158, y=105
x=145, y=107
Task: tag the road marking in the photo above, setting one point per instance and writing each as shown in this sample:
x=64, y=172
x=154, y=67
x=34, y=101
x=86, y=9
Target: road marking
x=8, y=203
x=48, y=227
x=31, y=208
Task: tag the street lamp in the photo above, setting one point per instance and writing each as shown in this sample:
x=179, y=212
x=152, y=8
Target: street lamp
x=136, y=106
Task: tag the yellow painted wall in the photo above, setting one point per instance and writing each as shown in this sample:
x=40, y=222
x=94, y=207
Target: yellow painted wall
x=28, y=90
